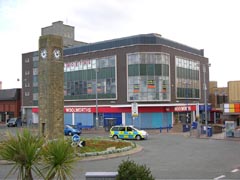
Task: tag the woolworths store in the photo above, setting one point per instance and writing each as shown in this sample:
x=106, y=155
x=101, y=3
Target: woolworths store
x=162, y=78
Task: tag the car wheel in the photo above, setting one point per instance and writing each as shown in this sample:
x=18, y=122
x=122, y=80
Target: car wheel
x=138, y=137
x=115, y=137
x=69, y=133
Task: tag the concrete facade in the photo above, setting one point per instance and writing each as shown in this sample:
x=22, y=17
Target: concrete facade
x=234, y=91
x=51, y=79
x=65, y=31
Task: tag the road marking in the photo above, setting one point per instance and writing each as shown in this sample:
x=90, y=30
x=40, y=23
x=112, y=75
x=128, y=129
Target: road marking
x=235, y=170
x=220, y=177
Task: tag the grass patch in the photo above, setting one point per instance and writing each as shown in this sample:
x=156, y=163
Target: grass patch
x=98, y=145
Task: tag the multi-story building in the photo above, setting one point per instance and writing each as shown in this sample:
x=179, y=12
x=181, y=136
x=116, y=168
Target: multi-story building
x=225, y=102
x=217, y=97
x=231, y=108
x=145, y=80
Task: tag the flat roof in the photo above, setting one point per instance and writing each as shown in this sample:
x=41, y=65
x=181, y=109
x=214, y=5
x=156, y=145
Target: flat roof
x=142, y=39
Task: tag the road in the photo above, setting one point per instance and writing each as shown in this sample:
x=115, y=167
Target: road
x=178, y=157
x=171, y=156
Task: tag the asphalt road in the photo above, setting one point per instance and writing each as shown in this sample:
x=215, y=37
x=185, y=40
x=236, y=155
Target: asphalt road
x=171, y=156
x=178, y=157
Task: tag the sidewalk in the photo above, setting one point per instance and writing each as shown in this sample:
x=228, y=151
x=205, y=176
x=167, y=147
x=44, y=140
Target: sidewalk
x=218, y=136
x=221, y=136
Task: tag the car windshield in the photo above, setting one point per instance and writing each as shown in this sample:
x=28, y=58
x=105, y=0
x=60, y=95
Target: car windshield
x=135, y=129
x=12, y=120
x=68, y=127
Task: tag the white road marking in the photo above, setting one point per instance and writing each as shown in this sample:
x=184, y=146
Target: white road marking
x=220, y=177
x=235, y=170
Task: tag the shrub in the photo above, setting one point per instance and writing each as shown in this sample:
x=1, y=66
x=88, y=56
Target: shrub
x=24, y=150
x=129, y=170
x=59, y=159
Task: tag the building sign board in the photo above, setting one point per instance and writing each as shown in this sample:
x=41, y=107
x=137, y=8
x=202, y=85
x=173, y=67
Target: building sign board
x=77, y=109
x=134, y=109
x=182, y=108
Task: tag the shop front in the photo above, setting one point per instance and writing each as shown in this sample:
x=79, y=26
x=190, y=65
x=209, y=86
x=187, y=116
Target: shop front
x=148, y=117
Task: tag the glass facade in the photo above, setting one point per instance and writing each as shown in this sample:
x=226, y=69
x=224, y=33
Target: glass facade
x=187, y=78
x=35, y=79
x=148, y=76
x=80, y=79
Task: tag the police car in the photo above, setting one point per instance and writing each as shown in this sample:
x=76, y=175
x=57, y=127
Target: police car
x=127, y=132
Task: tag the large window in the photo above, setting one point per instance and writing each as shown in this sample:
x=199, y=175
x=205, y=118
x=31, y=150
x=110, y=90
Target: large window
x=187, y=78
x=148, y=77
x=80, y=79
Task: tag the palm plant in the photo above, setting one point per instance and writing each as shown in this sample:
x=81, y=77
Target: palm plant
x=59, y=158
x=23, y=150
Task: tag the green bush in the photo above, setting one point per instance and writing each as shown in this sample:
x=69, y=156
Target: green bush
x=129, y=170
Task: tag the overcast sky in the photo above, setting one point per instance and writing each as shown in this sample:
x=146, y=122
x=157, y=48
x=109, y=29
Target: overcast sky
x=212, y=25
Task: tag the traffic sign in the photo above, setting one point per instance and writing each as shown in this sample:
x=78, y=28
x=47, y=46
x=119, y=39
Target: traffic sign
x=75, y=138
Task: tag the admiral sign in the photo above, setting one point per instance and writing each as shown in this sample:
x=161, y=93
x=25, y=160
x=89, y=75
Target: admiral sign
x=182, y=108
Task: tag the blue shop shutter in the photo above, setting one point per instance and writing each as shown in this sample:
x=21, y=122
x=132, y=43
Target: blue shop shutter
x=67, y=118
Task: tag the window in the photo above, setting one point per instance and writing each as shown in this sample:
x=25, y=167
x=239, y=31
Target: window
x=148, y=77
x=27, y=72
x=35, y=71
x=187, y=78
x=35, y=96
x=27, y=84
x=80, y=79
x=35, y=58
x=35, y=81
x=26, y=93
x=121, y=128
x=129, y=129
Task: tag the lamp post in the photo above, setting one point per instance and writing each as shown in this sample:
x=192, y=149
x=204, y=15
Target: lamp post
x=187, y=105
x=198, y=120
x=205, y=98
x=96, y=98
x=21, y=99
x=187, y=116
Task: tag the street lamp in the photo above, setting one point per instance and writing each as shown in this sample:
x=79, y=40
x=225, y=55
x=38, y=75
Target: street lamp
x=21, y=99
x=205, y=97
x=96, y=71
x=186, y=95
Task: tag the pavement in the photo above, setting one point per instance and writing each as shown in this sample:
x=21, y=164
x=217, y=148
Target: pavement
x=221, y=136
x=218, y=136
